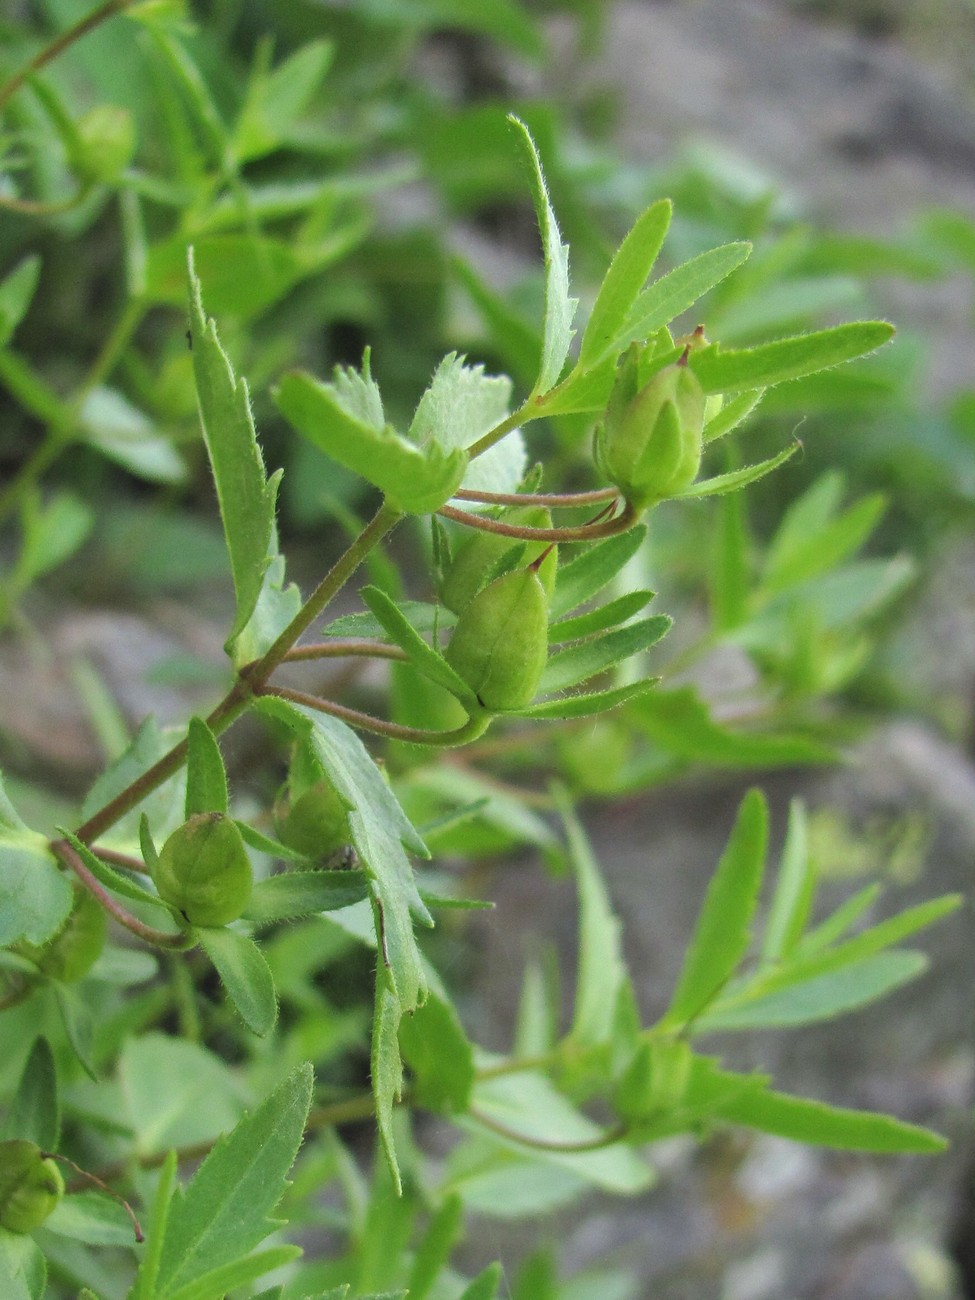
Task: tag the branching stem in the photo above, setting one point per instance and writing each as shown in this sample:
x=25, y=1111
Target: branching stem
x=609, y=1137
x=590, y=532
x=554, y=499
x=473, y=727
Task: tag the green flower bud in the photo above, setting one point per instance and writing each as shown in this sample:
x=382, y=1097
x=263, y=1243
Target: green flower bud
x=76, y=947
x=106, y=144
x=204, y=871
x=650, y=442
x=500, y=643
x=30, y=1185
x=477, y=555
x=316, y=823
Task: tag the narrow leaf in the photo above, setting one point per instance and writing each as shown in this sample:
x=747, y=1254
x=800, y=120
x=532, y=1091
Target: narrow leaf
x=422, y=656
x=794, y=888
x=736, y=370
x=584, y=706
x=124, y=884
x=736, y=479
x=144, y=1287
x=585, y=576
x=485, y=1285
x=675, y=292
x=588, y=658
x=434, y=1250
x=597, y=620
x=35, y=1112
x=245, y=975
x=387, y=1069
x=559, y=307
x=206, y=778
x=236, y=1273
x=625, y=278
x=723, y=928
x=830, y=1126
x=302, y=893
x=224, y=1212
x=732, y=414
x=246, y=496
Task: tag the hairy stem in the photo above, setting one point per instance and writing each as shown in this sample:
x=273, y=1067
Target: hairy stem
x=343, y=646
x=473, y=727
x=158, y=938
x=555, y=499
x=590, y=532
x=607, y=1138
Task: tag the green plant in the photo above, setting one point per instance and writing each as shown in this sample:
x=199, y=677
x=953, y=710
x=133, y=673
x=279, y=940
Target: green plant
x=544, y=629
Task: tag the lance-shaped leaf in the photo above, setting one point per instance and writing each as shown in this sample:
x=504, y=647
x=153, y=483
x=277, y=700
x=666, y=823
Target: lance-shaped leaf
x=723, y=928
x=302, y=893
x=246, y=496
x=424, y=658
x=609, y=615
x=379, y=830
x=625, y=278
x=225, y=1211
x=559, y=307
x=588, y=704
x=35, y=894
x=417, y=480
x=594, y=569
x=245, y=975
x=740, y=369
x=206, y=777
x=588, y=658
x=678, y=290
x=35, y=1112
x=386, y=1068
x=736, y=479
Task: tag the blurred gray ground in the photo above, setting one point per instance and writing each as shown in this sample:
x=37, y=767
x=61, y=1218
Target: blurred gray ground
x=865, y=133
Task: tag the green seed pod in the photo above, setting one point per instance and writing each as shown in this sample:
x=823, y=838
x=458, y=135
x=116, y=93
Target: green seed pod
x=650, y=442
x=204, y=871
x=477, y=555
x=500, y=643
x=106, y=143
x=316, y=823
x=77, y=945
x=30, y=1185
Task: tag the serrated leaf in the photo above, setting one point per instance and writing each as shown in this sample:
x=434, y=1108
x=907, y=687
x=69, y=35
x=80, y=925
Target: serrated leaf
x=589, y=703
x=245, y=495
x=736, y=479
x=303, y=893
x=601, y=970
x=35, y=1112
x=586, y=576
x=821, y=997
x=245, y=975
x=559, y=307
x=625, y=278
x=277, y=604
x=206, y=777
x=678, y=290
x=736, y=370
x=224, y=1211
x=587, y=658
x=216, y=1283
x=416, y=480
x=597, y=620
x=832, y=1126
x=379, y=830
x=723, y=929
x=424, y=658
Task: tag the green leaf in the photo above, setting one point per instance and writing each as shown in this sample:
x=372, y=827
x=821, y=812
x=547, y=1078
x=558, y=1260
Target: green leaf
x=109, y=423
x=416, y=480
x=736, y=479
x=224, y=1211
x=559, y=307
x=587, y=658
x=277, y=604
x=601, y=970
x=814, y=538
x=51, y=533
x=16, y=293
x=597, y=620
x=838, y=922
x=124, y=884
x=245, y=975
x=675, y=292
x=485, y=1285
x=379, y=829
x=434, y=1250
x=214, y=1284
x=723, y=928
x=731, y=415
x=35, y=896
x=829, y=1126
x=585, y=576
x=387, y=1069
x=794, y=890
x=144, y=1287
x=585, y=705
x=439, y=1054
x=625, y=278
x=35, y=1112
x=92, y=1218
x=79, y=1026
x=246, y=496
x=301, y=893
x=206, y=777
x=23, y=1270
x=422, y=616
x=276, y=100
x=423, y=657
x=735, y=370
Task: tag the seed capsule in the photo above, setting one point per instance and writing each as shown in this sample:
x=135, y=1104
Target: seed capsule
x=500, y=643
x=204, y=871
x=30, y=1185
x=650, y=442
x=481, y=551
x=316, y=823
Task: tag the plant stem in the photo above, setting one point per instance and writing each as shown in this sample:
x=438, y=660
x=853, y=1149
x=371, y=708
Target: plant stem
x=607, y=1138
x=345, y=646
x=473, y=727
x=519, y=417
x=556, y=499
x=60, y=44
x=158, y=938
x=584, y=533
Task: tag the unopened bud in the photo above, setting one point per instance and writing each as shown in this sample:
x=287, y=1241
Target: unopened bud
x=500, y=643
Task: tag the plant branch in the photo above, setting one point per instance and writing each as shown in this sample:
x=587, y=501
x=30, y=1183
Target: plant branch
x=60, y=44
x=555, y=499
x=474, y=726
x=609, y=1137
x=342, y=646
x=590, y=532
x=158, y=938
